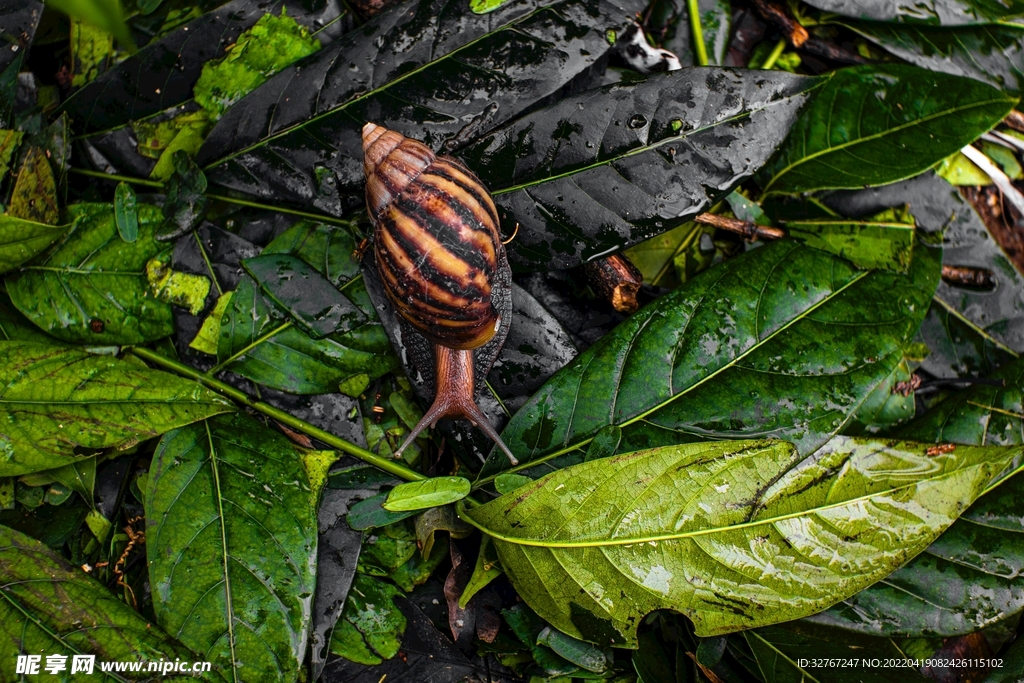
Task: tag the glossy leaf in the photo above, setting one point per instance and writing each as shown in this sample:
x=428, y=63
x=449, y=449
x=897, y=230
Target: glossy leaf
x=297, y=138
x=231, y=546
x=16, y=327
x=371, y=627
x=92, y=287
x=907, y=116
x=868, y=244
x=751, y=347
x=20, y=21
x=751, y=535
x=941, y=12
x=785, y=654
x=419, y=495
x=34, y=197
x=991, y=53
x=609, y=168
x=126, y=212
x=50, y=607
x=56, y=400
x=973, y=575
x=129, y=91
x=21, y=240
x=968, y=331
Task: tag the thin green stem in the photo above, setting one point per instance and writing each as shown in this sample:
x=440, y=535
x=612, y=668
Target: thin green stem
x=774, y=55
x=274, y=332
x=698, y=34
x=386, y=464
x=321, y=217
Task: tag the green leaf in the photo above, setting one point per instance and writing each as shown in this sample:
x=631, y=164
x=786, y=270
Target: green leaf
x=231, y=544
x=310, y=299
x=126, y=213
x=880, y=123
x=34, y=197
x=941, y=12
x=56, y=400
x=973, y=575
x=867, y=244
x=991, y=53
x=751, y=535
x=371, y=627
x=419, y=495
x=584, y=655
x=49, y=607
x=751, y=347
x=370, y=514
x=269, y=46
x=10, y=140
x=16, y=327
x=92, y=287
x=485, y=570
x=786, y=654
x=185, y=201
x=105, y=14
x=21, y=240
x=92, y=50
x=508, y=482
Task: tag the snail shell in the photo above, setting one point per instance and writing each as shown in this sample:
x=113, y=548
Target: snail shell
x=441, y=264
x=436, y=240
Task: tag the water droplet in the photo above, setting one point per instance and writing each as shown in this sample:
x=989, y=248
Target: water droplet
x=637, y=121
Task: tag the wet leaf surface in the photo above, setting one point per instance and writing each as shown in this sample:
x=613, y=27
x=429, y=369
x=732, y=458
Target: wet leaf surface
x=162, y=74
x=910, y=117
x=744, y=373
x=19, y=21
x=583, y=181
x=231, y=545
x=56, y=400
x=21, y=240
x=53, y=608
x=943, y=12
x=35, y=192
x=305, y=147
x=991, y=53
x=92, y=287
x=749, y=537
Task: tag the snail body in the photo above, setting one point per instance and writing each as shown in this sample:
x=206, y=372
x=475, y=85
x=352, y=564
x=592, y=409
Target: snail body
x=441, y=262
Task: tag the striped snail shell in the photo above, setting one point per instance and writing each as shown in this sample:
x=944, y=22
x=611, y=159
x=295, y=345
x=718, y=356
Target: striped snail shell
x=441, y=261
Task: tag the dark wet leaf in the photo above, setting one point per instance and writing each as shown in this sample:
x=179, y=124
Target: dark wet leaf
x=163, y=73
x=371, y=626
x=750, y=347
x=608, y=168
x=231, y=545
x=419, y=495
x=297, y=138
x=780, y=649
x=51, y=607
x=973, y=575
x=1013, y=664
x=21, y=240
x=968, y=331
x=35, y=192
x=936, y=12
x=337, y=554
x=58, y=399
x=910, y=117
x=18, y=22
x=429, y=657
x=92, y=287
x=370, y=513
x=126, y=213
x=186, y=202
x=753, y=535
x=485, y=570
x=991, y=53
x=312, y=302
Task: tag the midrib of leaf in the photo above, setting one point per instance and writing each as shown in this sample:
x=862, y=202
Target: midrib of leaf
x=780, y=653
x=85, y=271
x=249, y=347
x=29, y=618
x=715, y=530
x=206, y=259
x=379, y=89
x=732, y=363
x=639, y=150
x=982, y=333
x=875, y=136
x=229, y=607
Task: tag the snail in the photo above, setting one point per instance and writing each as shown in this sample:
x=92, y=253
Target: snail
x=442, y=265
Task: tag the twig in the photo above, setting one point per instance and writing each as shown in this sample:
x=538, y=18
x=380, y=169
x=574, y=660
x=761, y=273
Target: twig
x=747, y=229
x=968, y=276
x=616, y=279
x=1015, y=120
